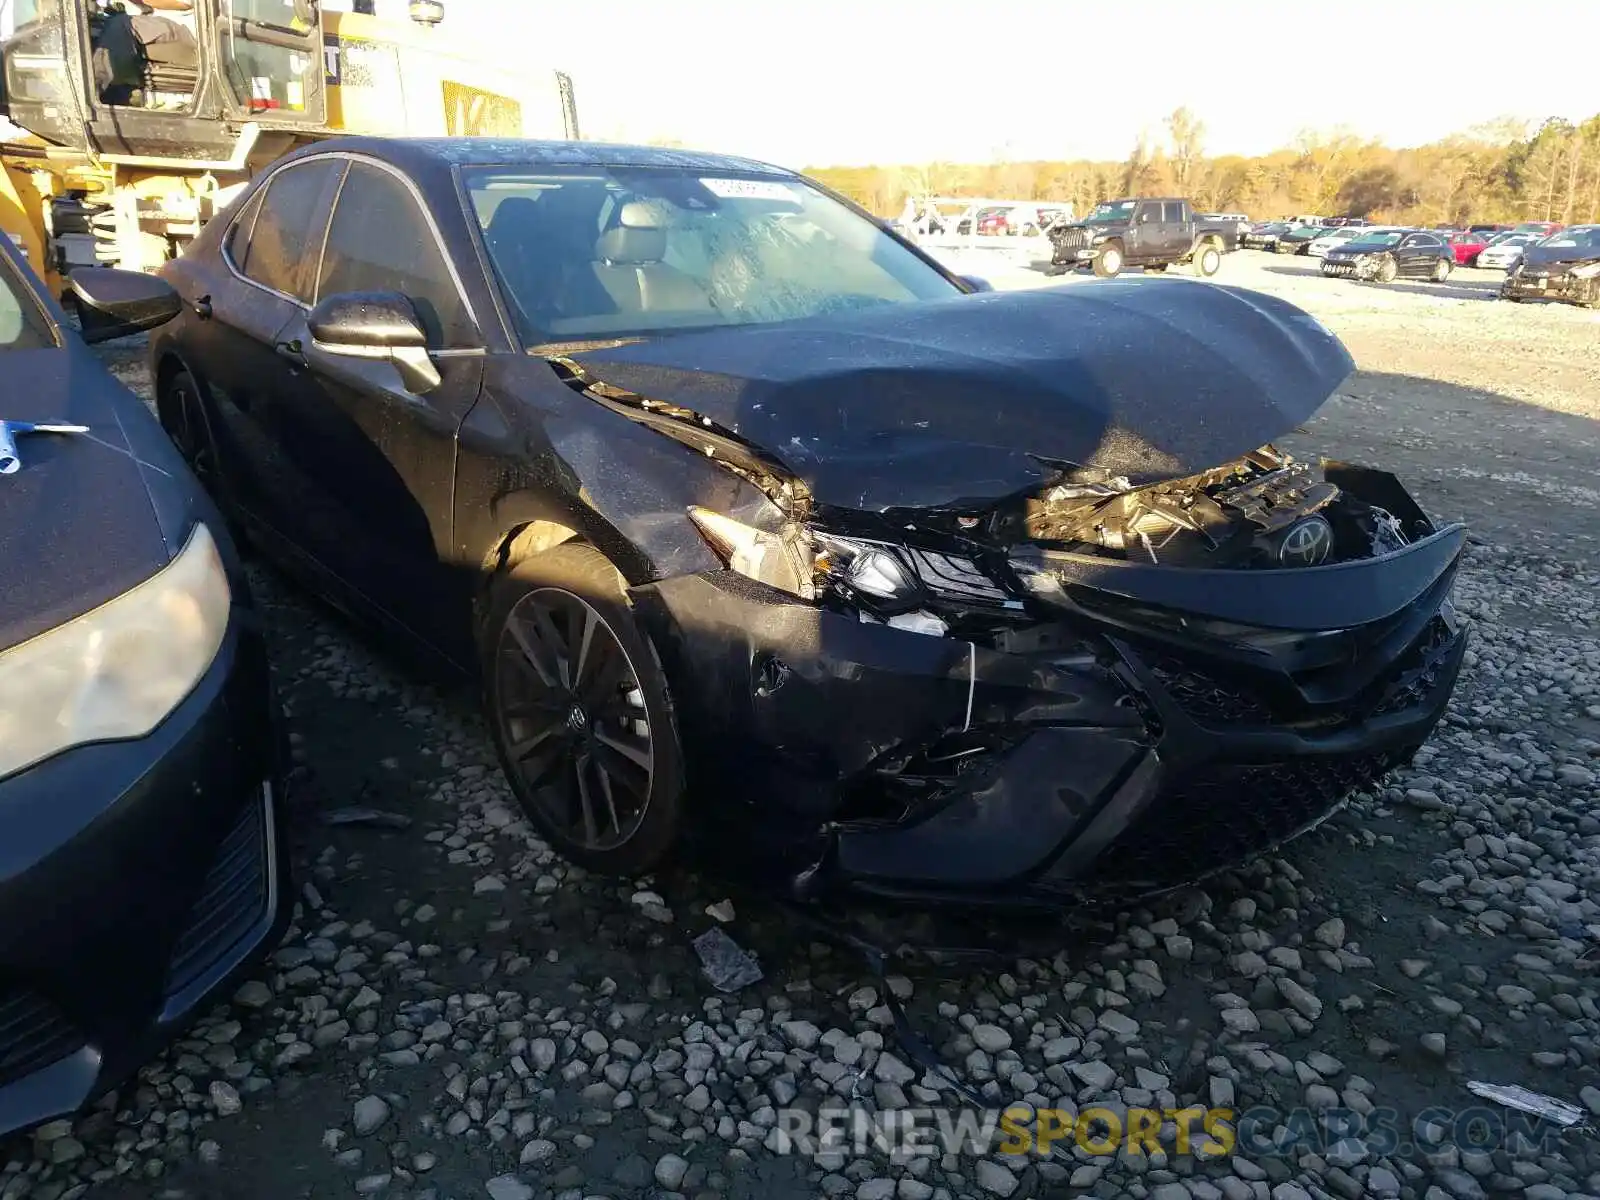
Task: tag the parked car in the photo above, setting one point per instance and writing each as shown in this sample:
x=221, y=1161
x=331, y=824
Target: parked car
x=1298, y=240
x=1543, y=228
x=141, y=866
x=1491, y=230
x=1263, y=237
x=1564, y=266
x=1390, y=254
x=460, y=386
x=1504, y=251
x=1318, y=247
x=1466, y=246
x=1239, y=221
x=1141, y=232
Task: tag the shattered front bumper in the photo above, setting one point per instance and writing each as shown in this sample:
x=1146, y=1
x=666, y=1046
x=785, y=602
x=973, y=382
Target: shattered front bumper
x=1125, y=752
x=1533, y=285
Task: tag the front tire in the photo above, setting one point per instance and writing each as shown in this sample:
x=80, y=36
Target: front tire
x=1108, y=263
x=1388, y=269
x=1207, y=260
x=580, y=712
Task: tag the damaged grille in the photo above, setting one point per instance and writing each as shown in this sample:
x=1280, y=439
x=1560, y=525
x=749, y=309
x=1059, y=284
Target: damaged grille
x=1203, y=696
x=1418, y=672
x=1222, y=815
x=33, y=1034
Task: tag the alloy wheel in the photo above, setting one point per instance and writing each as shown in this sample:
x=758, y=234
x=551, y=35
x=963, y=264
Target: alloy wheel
x=572, y=718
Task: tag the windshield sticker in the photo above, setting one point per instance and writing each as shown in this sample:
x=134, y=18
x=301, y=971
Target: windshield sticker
x=749, y=189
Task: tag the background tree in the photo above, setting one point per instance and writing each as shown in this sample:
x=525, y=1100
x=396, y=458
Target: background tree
x=1499, y=171
x=1186, y=133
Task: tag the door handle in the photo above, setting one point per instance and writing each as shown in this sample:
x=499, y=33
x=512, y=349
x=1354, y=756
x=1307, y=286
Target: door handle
x=202, y=308
x=292, y=351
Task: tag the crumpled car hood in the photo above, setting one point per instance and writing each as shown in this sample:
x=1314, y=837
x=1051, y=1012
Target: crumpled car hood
x=965, y=401
x=1558, y=256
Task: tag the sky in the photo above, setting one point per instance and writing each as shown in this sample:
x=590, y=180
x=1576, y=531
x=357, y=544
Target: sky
x=837, y=82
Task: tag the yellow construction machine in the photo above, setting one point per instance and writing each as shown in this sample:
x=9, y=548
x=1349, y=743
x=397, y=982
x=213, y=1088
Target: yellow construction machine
x=131, y=124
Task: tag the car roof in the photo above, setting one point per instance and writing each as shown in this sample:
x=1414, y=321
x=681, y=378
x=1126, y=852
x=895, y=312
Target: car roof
x=425, y=156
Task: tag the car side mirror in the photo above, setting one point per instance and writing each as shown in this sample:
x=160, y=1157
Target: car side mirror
x=381, y=325
x=113, y=303
x=976, y=283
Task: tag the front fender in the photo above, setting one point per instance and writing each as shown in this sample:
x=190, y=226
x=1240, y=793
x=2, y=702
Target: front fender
x=537, y=459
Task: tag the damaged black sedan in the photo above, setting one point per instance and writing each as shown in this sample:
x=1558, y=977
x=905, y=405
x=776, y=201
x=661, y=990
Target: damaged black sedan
x=770, y=540
x=1565, y=266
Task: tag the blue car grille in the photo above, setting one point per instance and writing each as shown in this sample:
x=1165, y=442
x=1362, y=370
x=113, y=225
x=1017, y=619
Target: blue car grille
x=232, y=903
x=33, y=1034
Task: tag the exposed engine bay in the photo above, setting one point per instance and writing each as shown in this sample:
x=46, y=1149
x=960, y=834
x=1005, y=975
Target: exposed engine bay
x=1263, y=510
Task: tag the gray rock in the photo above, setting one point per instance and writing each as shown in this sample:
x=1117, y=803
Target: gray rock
x=880, y=1188
x=537, y=1151
x=1330, y=933
x=1591, y=1098
x=1095, y=1074
x=1347, y=1152
x=542, y=1053
x=1383, y=1182
x=670, y=1170
x=991, y=1039
x=802, y=1034
x=994, y=1179
x=1241, y=1020
x=1302, y=1001
x=891, y=1070
x=224, y=1098
x=370, y=1112
x=1458, y=1183
x=1434, y=1044
x=253, y=994
x=1118, y=1023
x=508, y=1187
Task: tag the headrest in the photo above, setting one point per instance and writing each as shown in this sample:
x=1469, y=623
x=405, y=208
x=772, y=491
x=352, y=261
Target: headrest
x=640, y=235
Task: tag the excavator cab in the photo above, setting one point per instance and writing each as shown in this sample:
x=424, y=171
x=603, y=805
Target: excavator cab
x=122, y=79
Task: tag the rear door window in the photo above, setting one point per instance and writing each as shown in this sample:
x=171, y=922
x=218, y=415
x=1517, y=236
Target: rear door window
x=380, y=241
x=286, y=237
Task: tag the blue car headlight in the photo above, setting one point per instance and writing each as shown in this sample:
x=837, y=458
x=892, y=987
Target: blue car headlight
x=117, y=671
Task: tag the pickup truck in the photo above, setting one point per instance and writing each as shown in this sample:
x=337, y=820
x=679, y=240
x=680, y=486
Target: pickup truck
x=1139, y=232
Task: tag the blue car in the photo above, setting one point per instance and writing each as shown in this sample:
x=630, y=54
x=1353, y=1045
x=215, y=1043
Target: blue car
x=142, y=866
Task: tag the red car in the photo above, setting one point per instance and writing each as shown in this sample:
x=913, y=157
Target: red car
x=1467, y=246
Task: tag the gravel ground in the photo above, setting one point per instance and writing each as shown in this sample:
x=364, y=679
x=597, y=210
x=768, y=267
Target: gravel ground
x=456, y=1013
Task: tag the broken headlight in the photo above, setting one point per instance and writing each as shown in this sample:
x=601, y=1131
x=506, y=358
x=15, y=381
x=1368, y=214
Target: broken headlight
x=781, y=560
x=872, y=569
x=1586, y=271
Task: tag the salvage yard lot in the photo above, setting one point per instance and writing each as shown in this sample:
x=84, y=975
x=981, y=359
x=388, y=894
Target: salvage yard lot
x=455, y=1006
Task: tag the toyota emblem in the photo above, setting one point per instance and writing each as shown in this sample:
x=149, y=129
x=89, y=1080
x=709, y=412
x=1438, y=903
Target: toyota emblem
x=1307, y=543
